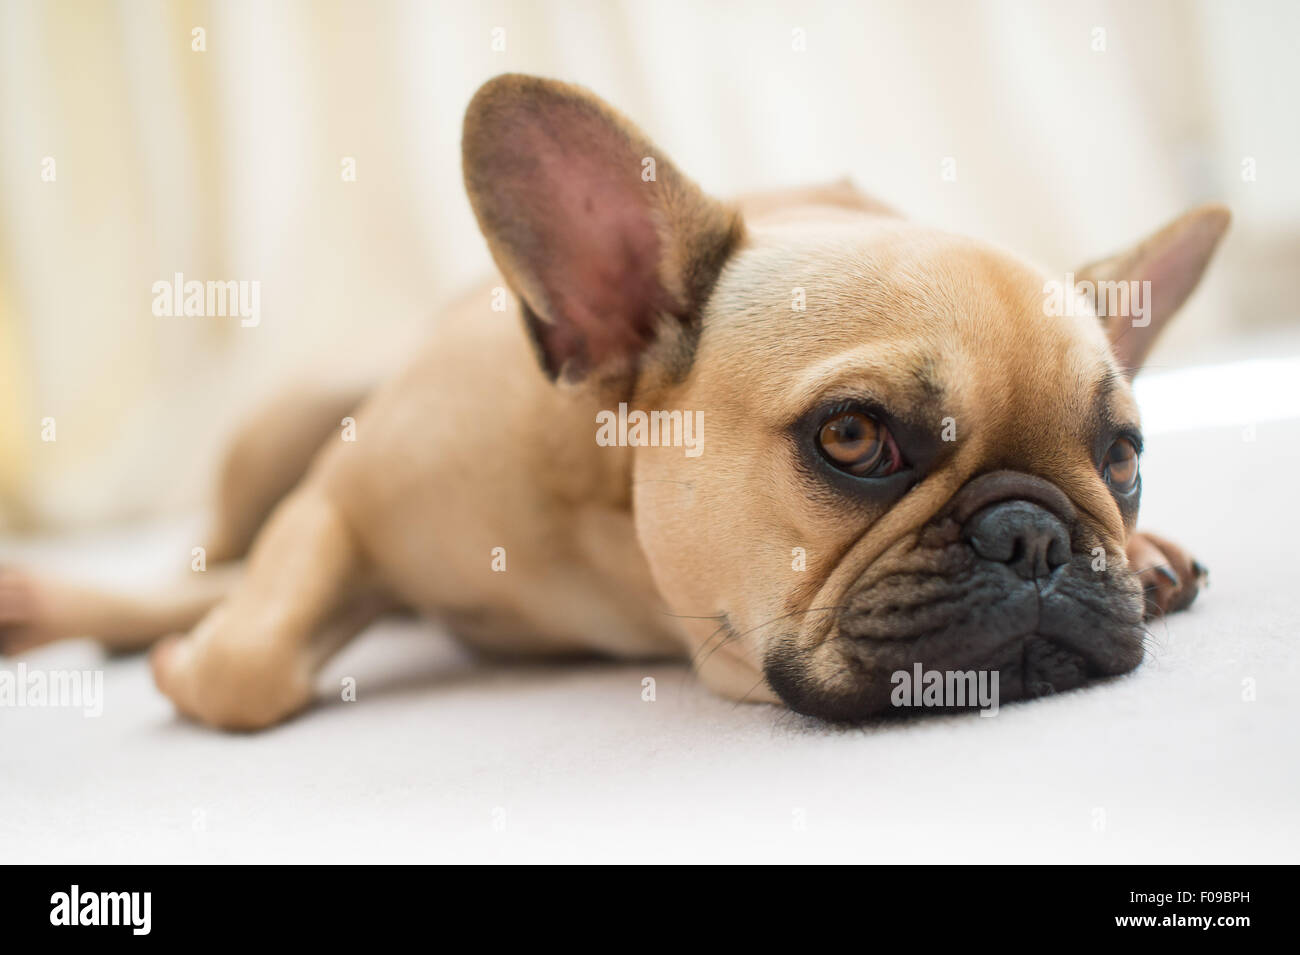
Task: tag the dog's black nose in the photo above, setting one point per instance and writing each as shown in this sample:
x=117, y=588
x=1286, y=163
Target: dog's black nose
x=1028, y=538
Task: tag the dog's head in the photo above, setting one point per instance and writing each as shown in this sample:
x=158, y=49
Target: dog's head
x=913, y=450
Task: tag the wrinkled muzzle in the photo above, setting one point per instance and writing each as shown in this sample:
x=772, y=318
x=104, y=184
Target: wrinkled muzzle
x=1003, y=582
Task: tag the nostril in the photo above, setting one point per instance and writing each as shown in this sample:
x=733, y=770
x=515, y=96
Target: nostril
x=1028, y=538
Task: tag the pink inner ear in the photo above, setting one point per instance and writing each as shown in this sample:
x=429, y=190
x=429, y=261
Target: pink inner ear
x=595, y=248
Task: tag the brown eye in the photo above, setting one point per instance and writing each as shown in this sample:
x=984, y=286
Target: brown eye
x=857, y=443
x=1120, y=469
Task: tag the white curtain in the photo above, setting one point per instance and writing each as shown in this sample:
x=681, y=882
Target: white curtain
x=127, y=156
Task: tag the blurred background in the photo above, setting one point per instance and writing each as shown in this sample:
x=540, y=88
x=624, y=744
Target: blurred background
x=141, y=139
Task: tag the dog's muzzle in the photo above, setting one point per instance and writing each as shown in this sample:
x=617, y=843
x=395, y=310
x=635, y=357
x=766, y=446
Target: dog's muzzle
x=994, y=583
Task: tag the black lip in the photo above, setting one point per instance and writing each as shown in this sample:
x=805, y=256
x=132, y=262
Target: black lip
x=1058, y=635
x=1017, y=680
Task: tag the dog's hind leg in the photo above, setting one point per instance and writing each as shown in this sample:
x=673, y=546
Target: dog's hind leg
x=36, y=609
x=268, y=456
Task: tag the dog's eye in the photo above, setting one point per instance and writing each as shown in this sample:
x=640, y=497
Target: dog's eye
x=1120, y=469
x=857, y=443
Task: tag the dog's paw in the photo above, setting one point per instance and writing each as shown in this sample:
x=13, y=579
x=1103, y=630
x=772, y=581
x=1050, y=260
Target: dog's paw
x=1170, y=577
x=24, y=620
x=230, y=684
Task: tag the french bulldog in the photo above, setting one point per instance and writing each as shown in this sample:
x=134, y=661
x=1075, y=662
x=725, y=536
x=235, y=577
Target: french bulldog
x=795, y=439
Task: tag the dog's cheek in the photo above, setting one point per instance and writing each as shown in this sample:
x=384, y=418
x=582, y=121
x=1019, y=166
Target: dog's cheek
x=673, y=530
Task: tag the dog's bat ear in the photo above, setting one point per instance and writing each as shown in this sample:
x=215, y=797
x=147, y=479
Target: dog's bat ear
x=1172, y=261
x=595, y=229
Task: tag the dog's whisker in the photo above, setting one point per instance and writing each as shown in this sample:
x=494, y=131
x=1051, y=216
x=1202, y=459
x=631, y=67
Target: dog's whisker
x=691, y=616
x=732, y=635
x=744, y=698
x=727, y=634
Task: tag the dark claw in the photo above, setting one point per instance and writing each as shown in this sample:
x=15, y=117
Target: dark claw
x=1164, y=571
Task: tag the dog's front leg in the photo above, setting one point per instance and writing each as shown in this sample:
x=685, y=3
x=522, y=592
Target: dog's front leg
x=252, y=660
x=1170, y=577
